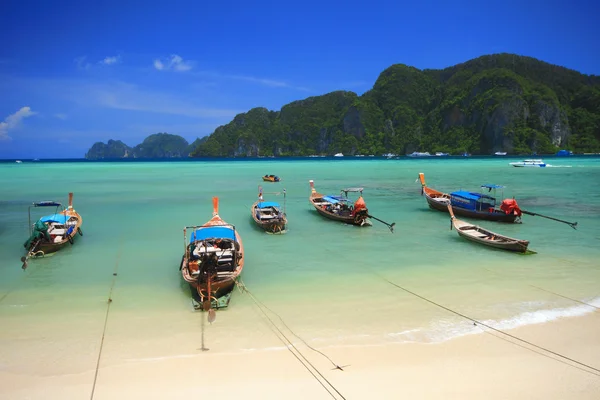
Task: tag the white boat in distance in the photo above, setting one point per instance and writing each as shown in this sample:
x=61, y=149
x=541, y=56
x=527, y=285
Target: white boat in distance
x=530, y=163
x=419, y=154
x=500, y=153
x=338, y=155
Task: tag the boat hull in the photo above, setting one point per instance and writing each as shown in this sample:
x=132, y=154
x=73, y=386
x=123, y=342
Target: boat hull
x=220, y=286
x=439, y=201
x=358, y=220
x=272, y=226
x=47, y=247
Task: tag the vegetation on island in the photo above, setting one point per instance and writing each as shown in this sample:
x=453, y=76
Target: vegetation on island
x=158, y=145
x=500, y=102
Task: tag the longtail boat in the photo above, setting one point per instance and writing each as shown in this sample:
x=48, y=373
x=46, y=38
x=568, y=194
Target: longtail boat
x=271, y=178
x=473, y=205
x=52, y=232
x=212, y=261
x=340, y=208
x=483, y=236
x=268, y=215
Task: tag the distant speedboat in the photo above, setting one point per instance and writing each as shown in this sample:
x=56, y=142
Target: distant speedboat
x=19, y=162
x=529, y=163
x=419, y=154
x=338, y=155
x=440, y=154
x=270, y=178
x=564, y=153
x=500, y=153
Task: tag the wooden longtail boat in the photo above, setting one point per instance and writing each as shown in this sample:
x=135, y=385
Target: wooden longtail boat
x=213, y=259
x=51, y=232
x=268, y=214
x=340, y=208
x=270, y=178
x=473, y=205
x=480, y=235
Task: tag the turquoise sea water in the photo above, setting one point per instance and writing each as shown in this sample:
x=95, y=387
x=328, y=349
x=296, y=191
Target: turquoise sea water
x=323, y=278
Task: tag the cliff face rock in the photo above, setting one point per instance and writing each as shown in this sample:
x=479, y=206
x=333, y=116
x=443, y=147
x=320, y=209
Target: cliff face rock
x=554, y=120
x=112, y=149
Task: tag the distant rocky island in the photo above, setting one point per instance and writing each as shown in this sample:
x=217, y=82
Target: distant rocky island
x=494, y=103
x=158, y=145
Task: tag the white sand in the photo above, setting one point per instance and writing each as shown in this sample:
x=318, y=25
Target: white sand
x=474, y=366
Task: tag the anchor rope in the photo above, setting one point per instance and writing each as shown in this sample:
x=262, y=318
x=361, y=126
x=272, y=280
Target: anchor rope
x=536, y=351
x=551, y=292
x=294, y=333
x=596, y=371
x=109, y=302
x=289, y=345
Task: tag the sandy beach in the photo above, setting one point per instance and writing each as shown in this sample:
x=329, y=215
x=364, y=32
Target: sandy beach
x=473, y=366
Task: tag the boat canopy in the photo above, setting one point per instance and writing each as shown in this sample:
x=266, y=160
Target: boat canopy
x=210, y=232
x=467, y=195
x=267, y=204
x=59, y=218
x=492, y=186
x=47, y=204
x=333, y=199
x=472, y=201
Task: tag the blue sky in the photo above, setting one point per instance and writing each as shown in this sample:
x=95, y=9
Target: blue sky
x=76, y=72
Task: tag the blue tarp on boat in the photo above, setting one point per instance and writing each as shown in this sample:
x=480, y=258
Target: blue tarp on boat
x=472, y=201
x=58, y=218
x=223, y=232
x=466, y=195
x=267, y=204
x=333, y=199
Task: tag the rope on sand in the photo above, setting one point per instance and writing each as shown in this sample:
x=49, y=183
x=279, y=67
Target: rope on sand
x=592, y=370
x=289, y=345
x=109, y=302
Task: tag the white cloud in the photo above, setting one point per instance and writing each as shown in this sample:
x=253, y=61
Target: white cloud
x=173, y=62
x=81, y=63
x=159, y=65
x=60, y=116
x=111, y=60
x=125, y=96
x=13, y=120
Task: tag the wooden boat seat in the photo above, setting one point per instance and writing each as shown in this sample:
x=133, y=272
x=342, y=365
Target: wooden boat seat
x=474, y=232
x=267, y=216
x=58, y=232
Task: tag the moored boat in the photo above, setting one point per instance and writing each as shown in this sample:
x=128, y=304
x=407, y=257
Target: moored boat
x=477, y=234
x=340, y=208
x=213, y=260
x=51, y=232
x=473, y=205
x=270, y=178
x=530, y=163
x=416, y=154
x=268, y=215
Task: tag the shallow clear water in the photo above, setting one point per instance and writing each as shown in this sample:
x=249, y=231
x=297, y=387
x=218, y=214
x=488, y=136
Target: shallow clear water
x=325, y=279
